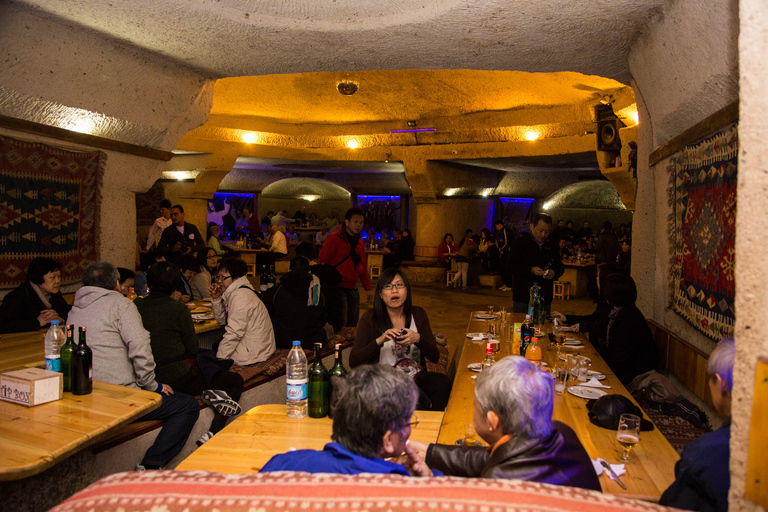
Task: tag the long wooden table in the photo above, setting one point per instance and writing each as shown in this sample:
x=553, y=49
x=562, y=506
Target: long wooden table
x=246, y=444
x=647, y=478
x=32, y=439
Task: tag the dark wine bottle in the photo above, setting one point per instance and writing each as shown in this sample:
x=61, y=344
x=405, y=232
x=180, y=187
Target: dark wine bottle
x=82, y=367
x=318, y=386
x=337, y=370
x=66, y=357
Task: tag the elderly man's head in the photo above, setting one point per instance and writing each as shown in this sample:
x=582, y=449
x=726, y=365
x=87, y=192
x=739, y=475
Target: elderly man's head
x=102, y=274
x=514, y=397
x=720, y=373
x=372, y=409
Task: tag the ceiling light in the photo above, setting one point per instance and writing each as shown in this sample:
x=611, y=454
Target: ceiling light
x=353, y=144
x=547, y=205
x=250, y=138
x=82, y=125
x=347, y=87
x=310, y=197
x=531, y=135
x=451, y=191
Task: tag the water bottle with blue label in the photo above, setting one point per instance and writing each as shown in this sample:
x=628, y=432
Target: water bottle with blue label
x=296, y=382
x=54, y=340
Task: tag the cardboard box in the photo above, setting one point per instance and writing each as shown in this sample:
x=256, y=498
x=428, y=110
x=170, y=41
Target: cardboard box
x=31, y=386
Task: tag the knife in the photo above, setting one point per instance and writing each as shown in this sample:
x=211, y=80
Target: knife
x=612, y=473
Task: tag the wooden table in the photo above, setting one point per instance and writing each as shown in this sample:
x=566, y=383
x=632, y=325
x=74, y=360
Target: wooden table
x=247, y=443
x=654, y=457
x=32, y=439
x=247, y=255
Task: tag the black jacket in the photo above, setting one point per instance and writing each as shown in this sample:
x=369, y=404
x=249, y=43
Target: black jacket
x=558, y=459
x=22, y=306
x=292, y=318
x=526, y=253
x=171, y=235
x=627, y=345
x=595, y=325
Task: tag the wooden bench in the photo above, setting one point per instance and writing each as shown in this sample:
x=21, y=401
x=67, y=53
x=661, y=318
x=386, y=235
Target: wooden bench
x=687, y=363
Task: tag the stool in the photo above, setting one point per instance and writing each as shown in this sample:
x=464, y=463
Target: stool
x=562, y=290
x=449, y=275
x=375, y=271
x=251, y=269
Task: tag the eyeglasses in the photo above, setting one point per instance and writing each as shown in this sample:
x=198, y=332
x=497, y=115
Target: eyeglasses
x=396, y=286
x=222, y=278
x=414, y=423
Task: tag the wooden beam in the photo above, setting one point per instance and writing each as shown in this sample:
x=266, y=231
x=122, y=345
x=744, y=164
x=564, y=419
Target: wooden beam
x=722, y=117
x=23, y=125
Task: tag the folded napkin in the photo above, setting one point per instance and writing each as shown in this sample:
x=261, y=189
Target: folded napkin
x=478, y=338
x=594, y=383
x=619, y=469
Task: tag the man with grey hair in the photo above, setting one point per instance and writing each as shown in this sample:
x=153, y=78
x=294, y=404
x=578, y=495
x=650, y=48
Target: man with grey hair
x=702, y=479
x=372, y=410
x=122, y=355
x=513, y=414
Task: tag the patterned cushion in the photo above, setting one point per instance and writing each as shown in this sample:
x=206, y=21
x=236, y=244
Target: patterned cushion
x=192, y=491
x=442, y=365
x=272, y=366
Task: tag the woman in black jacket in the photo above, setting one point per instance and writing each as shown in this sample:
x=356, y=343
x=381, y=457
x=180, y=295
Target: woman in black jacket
x=36, y=301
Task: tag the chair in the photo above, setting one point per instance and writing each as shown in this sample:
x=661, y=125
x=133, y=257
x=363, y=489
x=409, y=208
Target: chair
x=449, y=275
x=562, y=290
x=375, y=271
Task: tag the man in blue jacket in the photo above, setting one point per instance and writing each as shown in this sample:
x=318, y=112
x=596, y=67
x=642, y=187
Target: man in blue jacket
x=702, y=478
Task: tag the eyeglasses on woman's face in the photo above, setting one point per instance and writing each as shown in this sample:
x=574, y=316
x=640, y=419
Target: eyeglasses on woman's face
x=221, y=278
x=394, y=286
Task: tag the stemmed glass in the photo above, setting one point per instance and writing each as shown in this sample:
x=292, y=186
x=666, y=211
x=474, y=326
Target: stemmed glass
x=559, y=334
x=628, y=435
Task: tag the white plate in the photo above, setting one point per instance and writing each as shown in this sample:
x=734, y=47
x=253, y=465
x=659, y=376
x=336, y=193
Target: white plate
x=475, y=367
x=485, y=316
x=208, y=316
x=573, y=347
x=201, y=310
x=572, y=341
x=586, y=392
x=597, y=375
x=483, y=335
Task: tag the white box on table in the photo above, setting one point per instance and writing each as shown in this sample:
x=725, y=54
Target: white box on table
x=31, y=386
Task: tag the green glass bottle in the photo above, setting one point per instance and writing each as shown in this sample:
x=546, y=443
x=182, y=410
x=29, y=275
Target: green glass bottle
x=66, y=357
x=337, y=370
x=318, y=386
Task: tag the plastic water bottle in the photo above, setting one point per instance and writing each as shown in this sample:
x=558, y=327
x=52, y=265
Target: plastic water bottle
x=296, y=382
x=535, y=292
x=54, y=339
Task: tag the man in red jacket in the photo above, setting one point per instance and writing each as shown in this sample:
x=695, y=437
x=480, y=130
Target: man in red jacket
x=345, y=251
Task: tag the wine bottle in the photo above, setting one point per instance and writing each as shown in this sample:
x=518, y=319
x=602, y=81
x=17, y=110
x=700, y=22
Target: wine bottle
x=318, y=386
x=337, y=370
x=66, y=357
x=82, y=367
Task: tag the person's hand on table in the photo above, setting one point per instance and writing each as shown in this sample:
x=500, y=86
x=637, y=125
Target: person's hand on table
x=176, y=295
x=166, y=390
x=185, y=298
x=47, y=315
x=573, y=328
x=559, y=316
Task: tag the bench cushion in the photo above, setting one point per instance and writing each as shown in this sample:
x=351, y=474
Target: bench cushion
x=176, y=491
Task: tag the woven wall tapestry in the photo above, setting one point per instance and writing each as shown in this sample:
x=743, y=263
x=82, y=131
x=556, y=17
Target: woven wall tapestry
x=704, y=232
x=49, y=206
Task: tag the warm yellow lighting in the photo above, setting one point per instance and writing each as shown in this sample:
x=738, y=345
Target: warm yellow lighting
x=531, y=135
x=486, y=192
x=353, y=144
x=310, y=197
x=250, y=138
x=547, y=205
x=634, y=116
x=83, y=125
x=451, y=191
x=180, y=175
x=629, y=115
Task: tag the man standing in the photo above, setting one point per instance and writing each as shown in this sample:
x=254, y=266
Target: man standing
x=345, y=250
x=122, y=355
x=181, y=238
x=160, y=224
x=254, y=226
x=504, y=239
x=535, y=259
x=607, y=245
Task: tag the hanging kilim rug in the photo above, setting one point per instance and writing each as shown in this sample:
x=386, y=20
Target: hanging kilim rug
x=705, y=226
x=49, y=204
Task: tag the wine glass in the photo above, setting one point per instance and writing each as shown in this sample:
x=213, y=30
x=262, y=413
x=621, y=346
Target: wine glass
x=628, y=435
x=559, y=334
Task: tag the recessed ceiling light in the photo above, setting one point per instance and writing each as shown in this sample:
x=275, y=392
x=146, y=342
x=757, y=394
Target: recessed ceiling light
x=531, y=135
x=352, y=144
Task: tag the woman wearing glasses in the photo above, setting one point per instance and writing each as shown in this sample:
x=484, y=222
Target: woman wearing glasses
x=395, y=333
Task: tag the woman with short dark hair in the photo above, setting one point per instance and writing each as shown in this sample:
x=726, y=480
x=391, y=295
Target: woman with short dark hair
x=36, y=301
x=174, y=345
x=396, y=333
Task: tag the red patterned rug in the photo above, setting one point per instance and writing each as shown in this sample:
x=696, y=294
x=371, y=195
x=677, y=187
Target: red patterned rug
x=49, y=206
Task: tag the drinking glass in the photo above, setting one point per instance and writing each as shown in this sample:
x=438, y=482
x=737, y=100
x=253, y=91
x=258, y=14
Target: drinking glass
x=561, y=377
x=470, y=436
x=583, y=368
x=628, y=435
x=559, y=334
x=490, y=310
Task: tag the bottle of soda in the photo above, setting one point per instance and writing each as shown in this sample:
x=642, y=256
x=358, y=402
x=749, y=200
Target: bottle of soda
x=489, y=359
x=296, y=382
x=535, y=292
x=318, y=386
x=82, y=367
x=54, y=339
x=533, y=352
x=131, y=293
x=526, y=334
x=337, y=370
x=66, y=357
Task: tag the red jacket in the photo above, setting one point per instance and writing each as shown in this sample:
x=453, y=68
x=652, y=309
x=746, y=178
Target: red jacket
x=335, y=252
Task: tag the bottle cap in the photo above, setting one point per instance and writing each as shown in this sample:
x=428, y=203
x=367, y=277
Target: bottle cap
x=527, y=317
x=54, y=322
x=296, y=342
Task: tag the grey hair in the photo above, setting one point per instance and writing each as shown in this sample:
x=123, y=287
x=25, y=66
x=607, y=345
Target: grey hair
x=721, y=361
x=101, y=274
x=367, y=403
x=520, y=394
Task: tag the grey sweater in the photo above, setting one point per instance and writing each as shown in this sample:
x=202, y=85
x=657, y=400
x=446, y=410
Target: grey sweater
x=121, y=350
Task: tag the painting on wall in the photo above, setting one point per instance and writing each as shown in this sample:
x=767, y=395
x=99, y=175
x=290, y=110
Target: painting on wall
x=226, y=211
x=49, y=206
x=703, y=232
